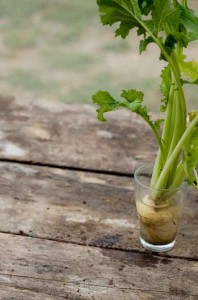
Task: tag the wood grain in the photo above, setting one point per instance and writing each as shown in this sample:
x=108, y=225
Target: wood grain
x=71, y=136
x=74, y=235
x=12, y=293
x=81, y=208
x=78, y=272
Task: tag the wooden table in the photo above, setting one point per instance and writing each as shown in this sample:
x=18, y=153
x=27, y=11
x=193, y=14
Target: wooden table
x=68, y=226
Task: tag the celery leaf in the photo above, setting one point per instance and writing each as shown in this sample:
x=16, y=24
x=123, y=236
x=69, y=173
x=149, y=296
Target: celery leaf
x=189, y=69
x=106, y=102
x=144, y=43
x=145, y=6
x=132, y=100
x=189, y=20
x=165, y=86
x=124, y=12
x=191, y=156
x=163, y=11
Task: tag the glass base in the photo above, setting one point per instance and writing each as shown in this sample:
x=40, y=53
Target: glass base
x=157, y=248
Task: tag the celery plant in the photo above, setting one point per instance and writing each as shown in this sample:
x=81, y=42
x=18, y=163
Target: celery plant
x=171, y=25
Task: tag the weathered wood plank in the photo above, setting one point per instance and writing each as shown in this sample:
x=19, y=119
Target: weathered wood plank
x=78, y=272
x=79, y=207
x=79, y=291
x=70, y=135
x=11, y=293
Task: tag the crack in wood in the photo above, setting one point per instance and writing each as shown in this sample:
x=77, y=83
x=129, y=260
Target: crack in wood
x=162, y=255
x=75, y=169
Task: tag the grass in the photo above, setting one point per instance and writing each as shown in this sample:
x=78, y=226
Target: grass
x=30, y=81
x=19, y=17
x=17, y=40
x=71, y=12
x=117, y=47
x=64, y=36
x=21, y=8
x=59, y=50
x=75, y=61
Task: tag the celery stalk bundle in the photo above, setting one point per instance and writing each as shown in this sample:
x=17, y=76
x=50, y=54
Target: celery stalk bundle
x=171, y=25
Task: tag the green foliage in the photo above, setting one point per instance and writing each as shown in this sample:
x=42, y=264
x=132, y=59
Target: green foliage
x=171, y=25
x=163, y=12
x=189, y=20
x=132, y=101
x=74, y=61
x=189, y=69
x=30, y=81
x=113, y=11
x=19, y=40
x=191, y=155
x=165, y=86
x=181, y=21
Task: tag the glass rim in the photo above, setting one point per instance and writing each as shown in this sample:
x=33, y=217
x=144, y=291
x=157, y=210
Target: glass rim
x=137, y=172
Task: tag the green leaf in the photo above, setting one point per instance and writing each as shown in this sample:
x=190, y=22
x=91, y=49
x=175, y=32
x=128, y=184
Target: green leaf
x=170, y=43
x=176, y=37
x=132, y=100
x=158, y=123
x=144, y=43
x=106, y=103
x=189, y=69
x=124, y=29
x=191, y=156
x=125, y=12
x=132, y=95
x=189, y=20
x=136, y=9
x=165, y=86
x=110, y=12
x=164, y=11
x=145, y=6
x=134, y=103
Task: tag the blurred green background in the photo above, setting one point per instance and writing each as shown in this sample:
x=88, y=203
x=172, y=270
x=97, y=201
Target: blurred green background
x=58, y=50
